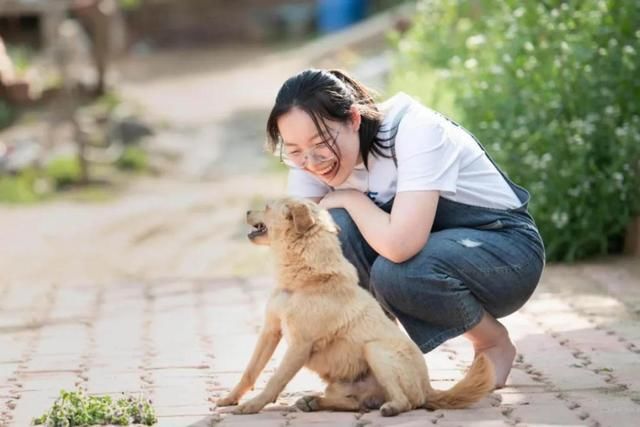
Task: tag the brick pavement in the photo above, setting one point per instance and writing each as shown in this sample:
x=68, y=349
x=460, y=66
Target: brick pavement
x=185, y=342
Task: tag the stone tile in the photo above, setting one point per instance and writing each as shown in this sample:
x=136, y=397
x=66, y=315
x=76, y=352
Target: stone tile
x=31, y=405
x=186, y=421
x=320, y=419
x=195, y=395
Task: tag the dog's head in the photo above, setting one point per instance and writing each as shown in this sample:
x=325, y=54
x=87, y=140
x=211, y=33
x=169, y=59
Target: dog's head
x=287, y=219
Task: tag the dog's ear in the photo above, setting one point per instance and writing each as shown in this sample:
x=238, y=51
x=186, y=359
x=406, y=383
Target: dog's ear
x=301, y=217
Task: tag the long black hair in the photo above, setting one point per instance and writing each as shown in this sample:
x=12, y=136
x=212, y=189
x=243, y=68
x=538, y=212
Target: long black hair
x=329, y=95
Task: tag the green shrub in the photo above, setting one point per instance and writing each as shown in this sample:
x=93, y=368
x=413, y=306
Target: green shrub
x=64, y=172
x=6, y=114
x=19, y=188
x=132, y=159
x=551, y=90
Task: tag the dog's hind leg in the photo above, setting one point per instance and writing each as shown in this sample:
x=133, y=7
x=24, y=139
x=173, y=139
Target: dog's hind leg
x=378, y=358
x=329, y=403
x=337, y=397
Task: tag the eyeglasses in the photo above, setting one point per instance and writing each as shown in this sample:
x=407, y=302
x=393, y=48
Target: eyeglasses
x=318, y=154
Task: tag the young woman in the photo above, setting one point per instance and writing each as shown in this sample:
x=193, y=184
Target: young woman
x=438, y=234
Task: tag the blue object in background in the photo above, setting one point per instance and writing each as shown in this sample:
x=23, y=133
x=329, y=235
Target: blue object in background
x=333, y=15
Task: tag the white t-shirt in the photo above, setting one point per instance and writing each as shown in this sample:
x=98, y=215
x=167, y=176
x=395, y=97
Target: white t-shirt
x=432, y=154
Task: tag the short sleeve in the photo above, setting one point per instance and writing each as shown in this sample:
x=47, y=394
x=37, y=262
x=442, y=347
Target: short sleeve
x=302, y=184
x=428, y=158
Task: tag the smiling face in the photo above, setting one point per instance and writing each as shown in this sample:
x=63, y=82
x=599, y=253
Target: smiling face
x=302, y=139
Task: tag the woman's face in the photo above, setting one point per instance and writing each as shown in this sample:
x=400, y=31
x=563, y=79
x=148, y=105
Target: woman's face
x=306, y=148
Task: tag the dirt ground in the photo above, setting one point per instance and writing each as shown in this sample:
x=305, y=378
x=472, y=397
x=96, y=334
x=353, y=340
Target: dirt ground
x=187, y=224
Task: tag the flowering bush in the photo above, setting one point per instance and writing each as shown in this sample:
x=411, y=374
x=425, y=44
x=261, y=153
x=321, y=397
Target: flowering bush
x=74, y=408
x=551, y=90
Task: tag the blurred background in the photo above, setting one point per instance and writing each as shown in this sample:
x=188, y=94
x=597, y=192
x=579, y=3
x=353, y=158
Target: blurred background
x=132, y=131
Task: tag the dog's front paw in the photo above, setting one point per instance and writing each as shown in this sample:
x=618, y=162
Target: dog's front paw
x=228, y=400
x=251, y=407
x=389, y=409
x=308, y=403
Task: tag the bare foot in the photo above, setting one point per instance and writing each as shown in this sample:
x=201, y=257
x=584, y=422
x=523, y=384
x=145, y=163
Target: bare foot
x=502, y=355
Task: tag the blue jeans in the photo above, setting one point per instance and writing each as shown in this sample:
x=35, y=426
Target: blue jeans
x=476, y=259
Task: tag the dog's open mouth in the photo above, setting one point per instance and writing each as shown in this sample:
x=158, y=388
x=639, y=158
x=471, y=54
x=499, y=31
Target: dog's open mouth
x=258, y=230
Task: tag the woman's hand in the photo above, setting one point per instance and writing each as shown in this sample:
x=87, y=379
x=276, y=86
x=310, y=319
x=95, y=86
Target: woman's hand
x=340, y=198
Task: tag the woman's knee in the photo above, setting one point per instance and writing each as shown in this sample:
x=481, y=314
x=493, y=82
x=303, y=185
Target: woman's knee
x=426, y=293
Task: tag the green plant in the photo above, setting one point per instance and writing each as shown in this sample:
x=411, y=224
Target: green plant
x=551, y=89
x=75, y=408
x=21, y=57
x=64, y=172
x=133, y=159
x=6, y=114
x=108, y=102
x=20, y=188
x=130, y=4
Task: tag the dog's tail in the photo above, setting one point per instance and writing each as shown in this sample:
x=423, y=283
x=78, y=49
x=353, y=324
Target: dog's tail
x=476, y=384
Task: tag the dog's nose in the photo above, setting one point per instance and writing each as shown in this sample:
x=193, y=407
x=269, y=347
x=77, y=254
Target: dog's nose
x=248, y=213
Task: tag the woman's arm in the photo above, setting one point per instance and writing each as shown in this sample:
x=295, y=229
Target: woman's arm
x=397, y=236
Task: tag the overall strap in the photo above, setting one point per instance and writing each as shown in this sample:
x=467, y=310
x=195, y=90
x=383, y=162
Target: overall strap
x=521, y=193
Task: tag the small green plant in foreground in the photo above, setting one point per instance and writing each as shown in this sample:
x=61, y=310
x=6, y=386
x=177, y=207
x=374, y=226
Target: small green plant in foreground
x=75, y=408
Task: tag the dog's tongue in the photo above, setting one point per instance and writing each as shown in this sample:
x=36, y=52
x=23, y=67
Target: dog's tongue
x=257, y=231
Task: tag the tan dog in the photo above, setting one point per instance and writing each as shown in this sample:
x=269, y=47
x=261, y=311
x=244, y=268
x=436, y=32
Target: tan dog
x=336, y=328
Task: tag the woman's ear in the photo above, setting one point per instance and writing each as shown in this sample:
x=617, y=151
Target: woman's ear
x=356, y=118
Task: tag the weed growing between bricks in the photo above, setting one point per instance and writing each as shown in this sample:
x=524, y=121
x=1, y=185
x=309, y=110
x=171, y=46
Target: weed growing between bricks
x=75, y=408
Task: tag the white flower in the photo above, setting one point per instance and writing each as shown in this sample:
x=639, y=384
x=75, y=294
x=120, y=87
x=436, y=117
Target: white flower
x=621, y=132
x=471, y=63
x=629, y=50
x=475, y=41
x=559, y=219
x=496, y=69
x=574, y=191
x=528, y=46
x=530, y=63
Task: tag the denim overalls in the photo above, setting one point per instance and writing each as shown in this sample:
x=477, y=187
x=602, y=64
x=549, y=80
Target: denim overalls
x=475, y=259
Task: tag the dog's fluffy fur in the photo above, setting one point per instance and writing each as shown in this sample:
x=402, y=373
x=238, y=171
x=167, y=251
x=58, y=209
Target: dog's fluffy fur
x=336, y=328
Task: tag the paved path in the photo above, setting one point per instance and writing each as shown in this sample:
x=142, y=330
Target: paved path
x=185, y=342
